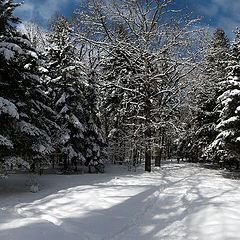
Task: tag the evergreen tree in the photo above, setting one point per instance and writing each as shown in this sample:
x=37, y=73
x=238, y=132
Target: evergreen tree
x=23, y=129
x=73, y=97
x=6, y=15
x=227, y=142
x=213, y=72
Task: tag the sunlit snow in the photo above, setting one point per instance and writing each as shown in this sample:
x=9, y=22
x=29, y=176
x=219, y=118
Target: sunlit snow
x=176, y=202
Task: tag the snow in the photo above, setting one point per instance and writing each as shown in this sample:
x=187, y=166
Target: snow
x=5, y=142
x=29, y=129
x=228, y=95
x=62, y=99
x=28, y=66
x=42, y=70
x=9, y=49
x=77, y=124
x=8, y=107
x=64, y=110
x=70, y=151
x=15, y=161
x=226, y=133
x=32, y=54
x=65, y=137
x=39, y=148
x=176, y=202
x=227, y=122
x=237, y=110
x=23, y=40
x=8, y=54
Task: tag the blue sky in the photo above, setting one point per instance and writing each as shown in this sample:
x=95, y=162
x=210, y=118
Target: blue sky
x=216, y=13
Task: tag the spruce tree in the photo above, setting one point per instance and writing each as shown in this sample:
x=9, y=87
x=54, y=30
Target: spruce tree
x=227, y=143
x=24, y=132
x=73, y=97
x=213, y=72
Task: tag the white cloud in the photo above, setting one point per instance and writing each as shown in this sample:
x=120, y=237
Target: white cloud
x=26, y=10
x=223, y=13
x=50, y=7
x=35, y=9
x=230, y=7
x=26, y=7
x=229, y=25
x=209, y=10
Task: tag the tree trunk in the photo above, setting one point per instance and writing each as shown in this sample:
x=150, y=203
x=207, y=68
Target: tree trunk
x=65, y=164
x=237, y=165
x=148, y=137
x=158, y=149
x=148, y=159
x=158, y=154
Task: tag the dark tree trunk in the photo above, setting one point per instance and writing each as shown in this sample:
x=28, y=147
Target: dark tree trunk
x=148, y=137
x=237, y=165
x=148, y=160
x=158, y=149
x=65, y=163
x=158, y=156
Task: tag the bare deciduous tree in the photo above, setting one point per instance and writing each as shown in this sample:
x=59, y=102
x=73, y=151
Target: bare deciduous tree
x=147, y=49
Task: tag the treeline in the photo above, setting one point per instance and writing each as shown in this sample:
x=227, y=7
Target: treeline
x=48, y=98
x=119, y=81
x=214, y=134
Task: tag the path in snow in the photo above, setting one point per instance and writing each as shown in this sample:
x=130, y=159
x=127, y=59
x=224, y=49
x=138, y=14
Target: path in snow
x=176, y=202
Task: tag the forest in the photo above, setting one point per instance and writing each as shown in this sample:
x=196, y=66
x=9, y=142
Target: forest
x=119, y=81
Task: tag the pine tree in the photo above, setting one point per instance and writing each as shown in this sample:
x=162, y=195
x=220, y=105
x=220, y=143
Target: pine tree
x=94, y=140
x=6, y=15
x=73, y=97
x=227, y=143
x=213, y=72
x=24, y=132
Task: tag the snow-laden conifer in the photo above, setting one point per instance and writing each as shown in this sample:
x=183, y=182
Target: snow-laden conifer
x=214, y=71
x=23, y=128
x=226, y=144
x=73, y=97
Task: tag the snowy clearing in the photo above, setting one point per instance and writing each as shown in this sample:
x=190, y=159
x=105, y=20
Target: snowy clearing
x=178, y=201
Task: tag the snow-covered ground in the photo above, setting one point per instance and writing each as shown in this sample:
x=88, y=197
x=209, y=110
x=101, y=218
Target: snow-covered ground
x=178, y=201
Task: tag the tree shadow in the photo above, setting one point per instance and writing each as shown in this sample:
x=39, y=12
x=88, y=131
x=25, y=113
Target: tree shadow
x=18, y=184
x=163, y=206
